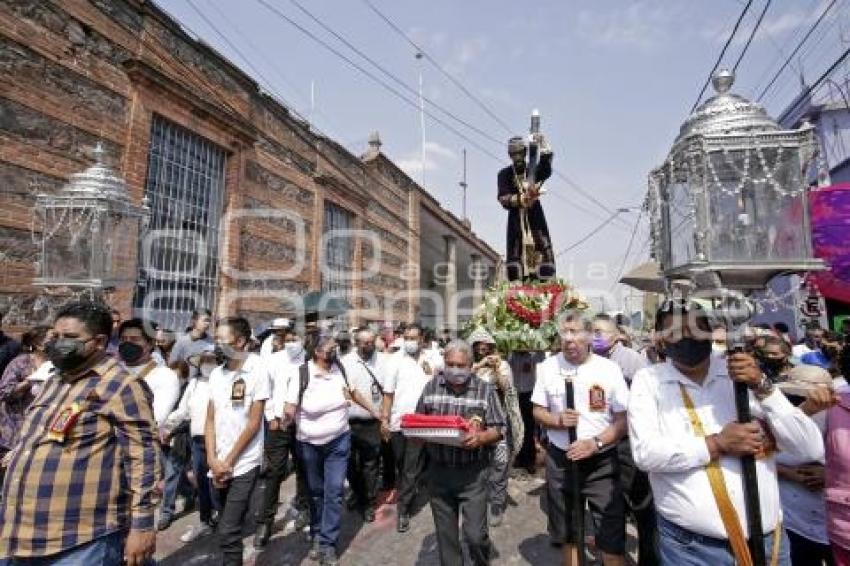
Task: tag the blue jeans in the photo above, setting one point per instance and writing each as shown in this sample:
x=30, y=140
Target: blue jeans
x=325, y=467
x=207, y=495
x=680, y=547
x=107, y=550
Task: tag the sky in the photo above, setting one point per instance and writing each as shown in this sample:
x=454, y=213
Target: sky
x=613, y=81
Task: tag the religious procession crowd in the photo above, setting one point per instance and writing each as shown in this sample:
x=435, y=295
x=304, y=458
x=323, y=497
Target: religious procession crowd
x=105, y=424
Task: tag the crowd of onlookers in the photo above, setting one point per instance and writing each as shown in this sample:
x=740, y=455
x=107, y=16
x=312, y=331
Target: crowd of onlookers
x=110, y=428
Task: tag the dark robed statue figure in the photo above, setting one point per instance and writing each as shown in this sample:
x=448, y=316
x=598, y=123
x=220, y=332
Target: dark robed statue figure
x=529, y=247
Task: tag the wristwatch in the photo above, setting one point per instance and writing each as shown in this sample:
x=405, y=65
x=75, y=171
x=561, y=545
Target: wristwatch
x=599, y=444
x=764, y=388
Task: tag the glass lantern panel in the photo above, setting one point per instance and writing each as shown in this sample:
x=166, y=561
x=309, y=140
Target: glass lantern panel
x=680, y=223
x=68, y=242
x=755, y=206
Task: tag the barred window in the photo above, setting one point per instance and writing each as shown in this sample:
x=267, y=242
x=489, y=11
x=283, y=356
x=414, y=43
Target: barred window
x=178, y=260
x=339, y=250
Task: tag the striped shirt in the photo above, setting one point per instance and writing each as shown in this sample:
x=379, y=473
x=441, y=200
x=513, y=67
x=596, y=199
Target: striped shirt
x=479, y=399
x=98, y=480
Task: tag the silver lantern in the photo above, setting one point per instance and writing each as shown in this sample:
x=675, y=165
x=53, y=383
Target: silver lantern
x=729, y=206
x=89, y=231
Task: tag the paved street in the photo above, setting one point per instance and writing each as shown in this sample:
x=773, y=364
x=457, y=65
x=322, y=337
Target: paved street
x=520, y=540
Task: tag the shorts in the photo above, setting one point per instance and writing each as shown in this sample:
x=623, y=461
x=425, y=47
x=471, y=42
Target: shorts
x=599, y=481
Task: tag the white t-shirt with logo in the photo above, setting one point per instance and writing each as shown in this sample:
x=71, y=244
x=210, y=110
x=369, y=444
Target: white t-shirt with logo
x=599, y=388
x=231, y=417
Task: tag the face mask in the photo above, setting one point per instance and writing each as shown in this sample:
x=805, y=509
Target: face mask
x=411, y=347
x=688, y=352
x=366, y=353
x=600, y=345
x=67, y=353
x=772, y=366
x=294, y=349
x=456, y=376
x=130, y=352
x=206, y=369
x=221, y=356
x=332, y=356
x=719, y=349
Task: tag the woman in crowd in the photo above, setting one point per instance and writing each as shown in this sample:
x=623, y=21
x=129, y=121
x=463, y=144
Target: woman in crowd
x=317, y=400
x=20, y=384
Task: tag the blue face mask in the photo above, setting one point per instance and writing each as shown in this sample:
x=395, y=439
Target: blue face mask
x=600, y=345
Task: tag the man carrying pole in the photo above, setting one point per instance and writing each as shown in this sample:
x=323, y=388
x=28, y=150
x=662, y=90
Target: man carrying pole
x=587, y=461
x=684, y=432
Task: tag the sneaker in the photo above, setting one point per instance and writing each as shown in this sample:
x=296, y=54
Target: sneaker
x=179, y=505
x=302, y=521
x=496, y=516
x=403, y=523
x=195, y=532
x=315, y=551
x=163, y=523
x=329, y=557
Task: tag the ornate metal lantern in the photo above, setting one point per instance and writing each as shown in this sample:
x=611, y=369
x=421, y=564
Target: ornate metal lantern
x=729, y=206
x=89, y=231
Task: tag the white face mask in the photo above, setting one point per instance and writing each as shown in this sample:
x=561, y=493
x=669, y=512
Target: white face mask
x=719, y=349
x=411, y=347
x=294, y=349
x=206, y=369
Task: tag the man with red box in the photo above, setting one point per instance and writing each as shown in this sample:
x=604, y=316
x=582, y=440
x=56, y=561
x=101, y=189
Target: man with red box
x=457, y=475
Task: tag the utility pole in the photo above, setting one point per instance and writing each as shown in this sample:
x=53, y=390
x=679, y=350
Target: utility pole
x=463, y=184
x=421, y=119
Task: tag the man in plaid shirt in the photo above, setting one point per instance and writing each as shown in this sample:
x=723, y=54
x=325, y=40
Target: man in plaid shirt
x=457, y=476
x=80, y=482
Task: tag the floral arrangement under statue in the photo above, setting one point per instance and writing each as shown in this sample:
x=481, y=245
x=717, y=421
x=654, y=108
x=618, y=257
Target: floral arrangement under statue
x=524, y=316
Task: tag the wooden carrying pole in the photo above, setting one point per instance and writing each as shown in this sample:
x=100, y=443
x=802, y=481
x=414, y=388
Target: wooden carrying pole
x=574, y=486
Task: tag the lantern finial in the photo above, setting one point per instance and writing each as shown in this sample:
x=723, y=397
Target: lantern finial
x=99, y=153
x=723, y=80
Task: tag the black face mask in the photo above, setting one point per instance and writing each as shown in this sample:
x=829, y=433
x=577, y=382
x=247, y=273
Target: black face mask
x=366, y=353
x=331, y=357
x=67, y=354
x=130, y=352
x=688, y=352
x=772, y=367
x=221, y=356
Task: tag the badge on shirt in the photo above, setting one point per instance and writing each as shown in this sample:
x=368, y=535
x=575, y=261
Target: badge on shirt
x=64, y=422
x=426, y=367
x=596, y=398
x=237, y=393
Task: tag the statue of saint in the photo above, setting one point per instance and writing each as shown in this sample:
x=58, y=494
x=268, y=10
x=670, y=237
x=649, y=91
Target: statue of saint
x=529, y=247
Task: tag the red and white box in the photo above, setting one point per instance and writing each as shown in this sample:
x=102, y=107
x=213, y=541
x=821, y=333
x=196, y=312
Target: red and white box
x=440, y=429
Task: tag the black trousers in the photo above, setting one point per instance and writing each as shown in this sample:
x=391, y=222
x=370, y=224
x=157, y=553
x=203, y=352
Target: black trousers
x=280, y=459
x=637, y=496
x=410, y=465
x=454, y=491
x=527, y=455
x=364, y=461
x=235, y=498
x=388, y=480
x=806, y=552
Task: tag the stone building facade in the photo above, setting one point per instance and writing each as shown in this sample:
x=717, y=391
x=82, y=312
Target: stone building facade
x=250, y=207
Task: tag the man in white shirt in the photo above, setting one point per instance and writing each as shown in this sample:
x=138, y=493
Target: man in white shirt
x=195, y=341
x=280, y=438
x=135, y=348
x=682, y=423
x=366, y=370
x=239, y=389
x=601, y=399
x=637, y=494
x=411, y=371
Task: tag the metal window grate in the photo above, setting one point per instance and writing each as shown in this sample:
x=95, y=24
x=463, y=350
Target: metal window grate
x=178, y=260
x=339, y=250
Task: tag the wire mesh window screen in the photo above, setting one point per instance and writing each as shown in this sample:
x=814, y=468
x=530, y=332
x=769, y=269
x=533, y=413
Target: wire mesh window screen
x=178, y=260
x=339, y=250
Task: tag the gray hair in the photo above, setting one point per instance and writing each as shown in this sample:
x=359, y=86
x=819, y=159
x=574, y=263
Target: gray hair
x=576, y=315
x=364, y=331
x=461, y=346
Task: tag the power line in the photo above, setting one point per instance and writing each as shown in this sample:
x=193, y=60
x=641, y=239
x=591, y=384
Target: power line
x=628, y=250
x=796, y=49
x=722, y=53
x=391, y=75
x=439, y=67
x=593, y=232
x=815, y=85
x=752, y=35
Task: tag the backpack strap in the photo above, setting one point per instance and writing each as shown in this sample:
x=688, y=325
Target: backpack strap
x=372, y=375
